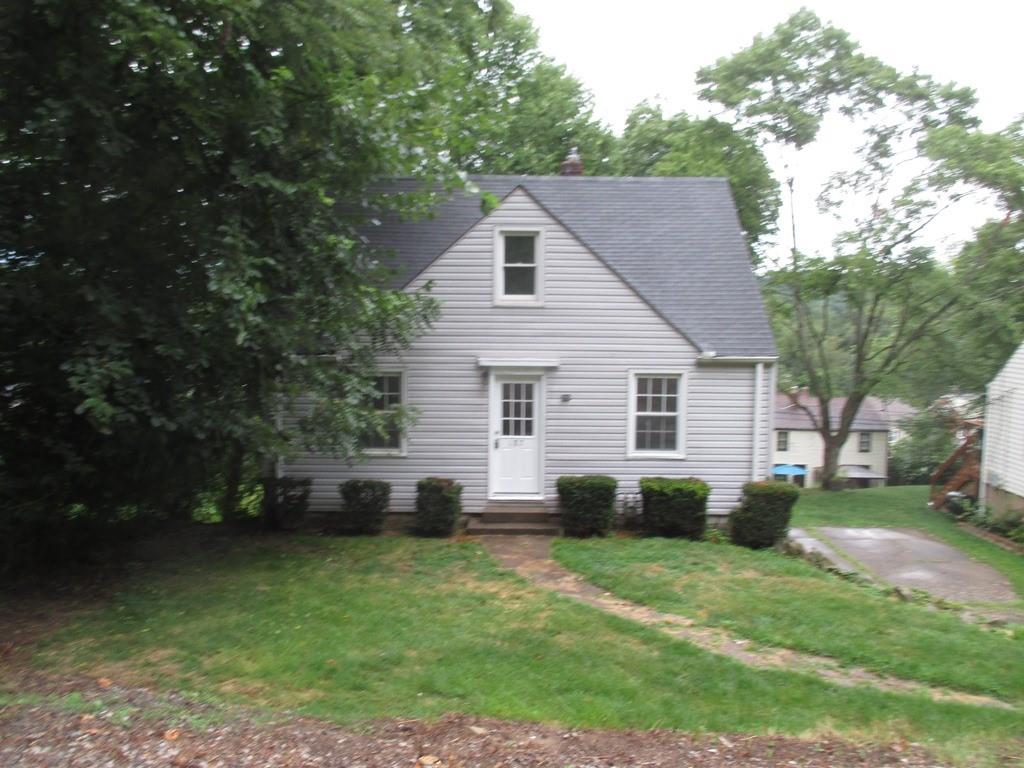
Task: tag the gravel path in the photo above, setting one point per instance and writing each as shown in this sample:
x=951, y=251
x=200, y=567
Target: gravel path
x=530, y=557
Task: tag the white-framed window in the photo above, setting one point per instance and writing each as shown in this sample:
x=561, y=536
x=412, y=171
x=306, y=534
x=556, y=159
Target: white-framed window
x=519, y=267
x=864, y=442
x=782, y=441
x=390, y=397
x=657, y=406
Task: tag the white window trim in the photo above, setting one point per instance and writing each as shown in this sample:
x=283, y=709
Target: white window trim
x=681, y=420
x=500, y=299
x=860, y=442
x=778, y=435
x=403, y=448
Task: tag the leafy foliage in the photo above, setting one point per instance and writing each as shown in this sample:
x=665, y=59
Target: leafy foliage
x=929, y=441
x=785, y=84
x=762, y=519
x=548, y=114
x=438, y=506
x=990, y=268
x=587, y=504
x=364, y=505
x=179, y=258
x=675, y=506
x=849, y=322
x=653, y=145
x=289, y=501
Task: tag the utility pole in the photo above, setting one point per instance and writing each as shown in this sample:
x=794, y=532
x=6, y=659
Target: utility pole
x=792, y=214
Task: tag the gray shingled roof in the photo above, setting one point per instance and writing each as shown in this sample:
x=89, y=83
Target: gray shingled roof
x=870, y=416
x=676, y=241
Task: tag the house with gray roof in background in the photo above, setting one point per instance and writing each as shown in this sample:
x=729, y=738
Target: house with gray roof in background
x=588, y=325
x=799, y=448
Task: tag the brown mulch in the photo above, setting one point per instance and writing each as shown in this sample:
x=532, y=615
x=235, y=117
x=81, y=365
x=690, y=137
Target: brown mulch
x=110, y=725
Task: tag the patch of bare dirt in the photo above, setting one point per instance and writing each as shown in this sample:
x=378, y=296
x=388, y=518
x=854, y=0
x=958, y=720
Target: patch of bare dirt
x=110, y=725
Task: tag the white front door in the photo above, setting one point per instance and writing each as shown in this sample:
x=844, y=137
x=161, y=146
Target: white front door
x=516, y=435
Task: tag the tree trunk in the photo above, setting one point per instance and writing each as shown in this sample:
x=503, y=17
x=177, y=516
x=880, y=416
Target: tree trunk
x=232, y=482
x=830, y=463
x=268, y=478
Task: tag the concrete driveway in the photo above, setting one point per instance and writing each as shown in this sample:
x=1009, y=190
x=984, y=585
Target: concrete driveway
x=908, y=558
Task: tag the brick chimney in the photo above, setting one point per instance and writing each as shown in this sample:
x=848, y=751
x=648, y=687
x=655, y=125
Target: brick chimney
x=572, y=165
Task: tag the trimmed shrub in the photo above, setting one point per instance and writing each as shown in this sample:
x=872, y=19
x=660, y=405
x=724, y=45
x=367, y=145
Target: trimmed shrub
x=438, y=506
x=289, y=502
x=364, y=505
x=675, y=506
x=762, y=518
x=587, y=504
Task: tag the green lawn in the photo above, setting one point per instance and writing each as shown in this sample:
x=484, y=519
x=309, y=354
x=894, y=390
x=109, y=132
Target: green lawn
x=783, y=601
x=349, y=629
x=902, y=507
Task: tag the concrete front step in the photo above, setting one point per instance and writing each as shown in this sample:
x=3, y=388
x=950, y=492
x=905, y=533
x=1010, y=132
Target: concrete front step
x=483, y=528
x=518, y=512
x=518, y=516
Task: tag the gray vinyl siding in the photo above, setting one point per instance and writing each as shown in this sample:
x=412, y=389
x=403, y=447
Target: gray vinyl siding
x=598, y=329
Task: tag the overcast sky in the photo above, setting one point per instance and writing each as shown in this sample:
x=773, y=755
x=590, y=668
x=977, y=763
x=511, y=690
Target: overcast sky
x=625, y=51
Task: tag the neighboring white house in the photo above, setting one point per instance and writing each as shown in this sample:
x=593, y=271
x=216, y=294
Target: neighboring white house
x=863, y=459
x=588, y=325
x=1002, y=452
x=897, y=415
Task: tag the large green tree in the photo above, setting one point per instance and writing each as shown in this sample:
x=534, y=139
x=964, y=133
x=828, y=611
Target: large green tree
x=519, y=112
x=850, y=319
x=990, y=267
x=175, y=252
x=653, y=145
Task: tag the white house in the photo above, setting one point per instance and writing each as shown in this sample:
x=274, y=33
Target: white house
x=863, y=459
x=588, y=325
x=1002, y=451
x=897, y=415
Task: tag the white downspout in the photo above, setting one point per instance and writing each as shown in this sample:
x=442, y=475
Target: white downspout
x=758, y=396
x=983, y=473
x=773, y=387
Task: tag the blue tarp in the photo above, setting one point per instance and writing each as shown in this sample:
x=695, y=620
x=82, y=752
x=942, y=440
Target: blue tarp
x=788, y=470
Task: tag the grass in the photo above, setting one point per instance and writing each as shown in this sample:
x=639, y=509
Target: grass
x=351, y=629
x=903, y=507
x=782, y=601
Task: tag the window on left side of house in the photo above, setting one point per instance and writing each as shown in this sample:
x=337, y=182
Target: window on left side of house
x=387, y=401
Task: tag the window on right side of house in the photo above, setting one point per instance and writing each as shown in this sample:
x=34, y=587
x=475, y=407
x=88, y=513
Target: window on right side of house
x=656, y=415
x=782, y=441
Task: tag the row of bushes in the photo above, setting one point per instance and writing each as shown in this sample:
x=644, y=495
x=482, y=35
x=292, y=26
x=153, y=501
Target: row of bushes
x=677, y=507
x=672, y=507
x=364, y=505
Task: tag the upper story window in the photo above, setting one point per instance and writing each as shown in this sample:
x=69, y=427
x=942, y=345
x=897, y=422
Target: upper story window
x=864, y=442
x=656, y=402
x=389, y=441
x=782, y=441
x=519, y=268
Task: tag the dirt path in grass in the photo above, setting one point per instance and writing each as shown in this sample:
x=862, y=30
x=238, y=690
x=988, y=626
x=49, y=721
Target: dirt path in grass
x=530, y=557
x=84, y=724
